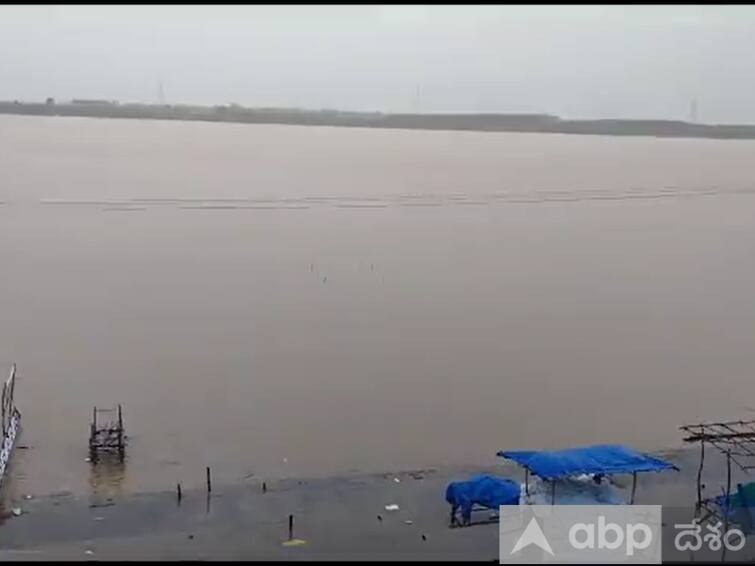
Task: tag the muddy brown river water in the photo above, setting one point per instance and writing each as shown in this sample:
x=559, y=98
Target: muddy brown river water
x=283, y=301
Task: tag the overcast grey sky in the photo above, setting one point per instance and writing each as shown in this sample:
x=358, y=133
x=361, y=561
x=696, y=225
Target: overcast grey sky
x=575, y=61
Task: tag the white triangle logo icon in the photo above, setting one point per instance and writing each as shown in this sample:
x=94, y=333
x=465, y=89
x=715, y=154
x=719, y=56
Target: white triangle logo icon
x=533, y=534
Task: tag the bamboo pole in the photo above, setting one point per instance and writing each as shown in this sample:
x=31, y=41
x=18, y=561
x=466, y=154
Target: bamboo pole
x=634, y=487
x=700, y=476
x=12, y=384
x=5, y=387
x=728, y=501
x=121, y=444
x=209, y=482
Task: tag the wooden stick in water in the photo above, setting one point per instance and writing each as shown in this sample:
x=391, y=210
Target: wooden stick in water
x=700, y=475
x=634, y=487
x=527, y=481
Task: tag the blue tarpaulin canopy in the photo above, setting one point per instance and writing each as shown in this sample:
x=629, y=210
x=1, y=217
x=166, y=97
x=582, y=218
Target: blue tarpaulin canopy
x=602, y=459
x=487, y=491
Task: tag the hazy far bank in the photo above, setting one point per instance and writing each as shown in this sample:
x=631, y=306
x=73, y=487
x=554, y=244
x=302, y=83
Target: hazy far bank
x=531, y=123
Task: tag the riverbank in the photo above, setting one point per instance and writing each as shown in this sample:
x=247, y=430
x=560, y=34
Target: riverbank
x=339, y=518
x=523, y=123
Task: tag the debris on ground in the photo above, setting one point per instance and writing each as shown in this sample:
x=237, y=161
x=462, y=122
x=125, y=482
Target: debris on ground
x=294, y=542
x=380, y=518
x=408, y=522
x=397, y=480
x=392, y=507
x=27, y=496
x=57, y=494
x=90, y=552
x=16, y=511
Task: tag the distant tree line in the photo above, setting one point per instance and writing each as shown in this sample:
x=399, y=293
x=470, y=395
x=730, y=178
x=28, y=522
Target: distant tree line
x=535, y=123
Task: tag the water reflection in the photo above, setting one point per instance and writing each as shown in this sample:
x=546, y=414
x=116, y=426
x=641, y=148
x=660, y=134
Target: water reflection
x=106, y=478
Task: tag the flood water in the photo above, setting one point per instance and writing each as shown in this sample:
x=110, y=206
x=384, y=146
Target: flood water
x=291, y=301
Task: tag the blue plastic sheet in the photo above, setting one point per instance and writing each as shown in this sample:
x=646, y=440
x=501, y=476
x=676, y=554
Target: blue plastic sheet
x=601, y=459
x=487, y=491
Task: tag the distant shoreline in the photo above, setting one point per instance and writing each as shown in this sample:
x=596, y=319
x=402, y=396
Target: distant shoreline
x=523, y=123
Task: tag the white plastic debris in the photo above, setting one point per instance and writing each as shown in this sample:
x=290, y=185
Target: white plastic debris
x=397, y=480
x=27, y=496
x=16, y=511
x=409, y=522
x=392, y=507
x=88, y=552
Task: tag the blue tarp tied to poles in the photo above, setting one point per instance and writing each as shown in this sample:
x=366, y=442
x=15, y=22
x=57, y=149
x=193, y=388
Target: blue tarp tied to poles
x=487, y=491
x=601, y=459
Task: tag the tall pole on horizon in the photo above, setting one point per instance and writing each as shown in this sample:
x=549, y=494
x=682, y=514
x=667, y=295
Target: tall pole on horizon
x=161, y=92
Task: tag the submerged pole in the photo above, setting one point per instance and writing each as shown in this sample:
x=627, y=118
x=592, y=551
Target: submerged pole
x=290, y=527
x=634, y=487
x=527, y=481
